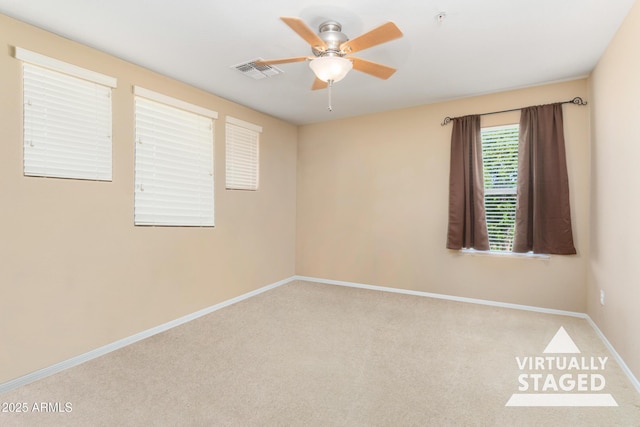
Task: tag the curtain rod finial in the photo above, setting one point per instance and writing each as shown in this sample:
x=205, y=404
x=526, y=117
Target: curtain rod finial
x=446, y=121
x=578, y=101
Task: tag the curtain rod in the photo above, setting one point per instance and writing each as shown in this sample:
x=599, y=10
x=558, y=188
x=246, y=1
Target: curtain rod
x=577, y=100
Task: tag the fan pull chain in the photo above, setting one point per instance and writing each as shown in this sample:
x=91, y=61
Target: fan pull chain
x=329, y=88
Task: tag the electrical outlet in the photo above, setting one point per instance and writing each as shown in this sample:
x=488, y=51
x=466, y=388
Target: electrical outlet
x=601, y=297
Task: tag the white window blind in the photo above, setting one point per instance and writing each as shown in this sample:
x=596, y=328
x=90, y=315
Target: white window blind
x=67, y=119
x=173, y=163
x=500, y=163
x=242, y=155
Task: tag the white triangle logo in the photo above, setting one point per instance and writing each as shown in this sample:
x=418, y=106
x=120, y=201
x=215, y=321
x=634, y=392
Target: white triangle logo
x=561, y=343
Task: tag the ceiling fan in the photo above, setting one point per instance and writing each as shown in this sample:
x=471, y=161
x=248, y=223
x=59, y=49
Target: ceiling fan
x=330, y=48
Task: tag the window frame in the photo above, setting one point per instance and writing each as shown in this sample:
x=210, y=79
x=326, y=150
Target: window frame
x=67, y=119
x=174, y=173
x=242, y=155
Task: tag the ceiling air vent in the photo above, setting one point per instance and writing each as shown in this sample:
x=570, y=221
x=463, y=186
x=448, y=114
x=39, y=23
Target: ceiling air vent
x=257, y=72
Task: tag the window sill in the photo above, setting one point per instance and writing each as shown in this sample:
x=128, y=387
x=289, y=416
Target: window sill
x=505, y=254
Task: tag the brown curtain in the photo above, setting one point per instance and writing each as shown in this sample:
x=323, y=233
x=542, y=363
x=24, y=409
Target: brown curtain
x=543, y=216
x=467, y=222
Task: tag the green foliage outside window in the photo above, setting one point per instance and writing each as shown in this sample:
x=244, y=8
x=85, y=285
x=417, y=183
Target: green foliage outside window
x=500, y=164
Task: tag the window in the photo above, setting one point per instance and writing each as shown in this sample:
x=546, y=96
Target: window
x=500, y=163
x=242, y=155
x=67, y=119
x=173, y=161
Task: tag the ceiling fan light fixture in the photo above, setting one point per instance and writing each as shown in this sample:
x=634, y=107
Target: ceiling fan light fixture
x=330, y=68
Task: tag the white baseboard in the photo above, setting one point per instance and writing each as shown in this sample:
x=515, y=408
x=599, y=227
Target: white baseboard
x=623, y=365
x=101, y=351
x=443, y=296
x=74, y=361
x=613, y=351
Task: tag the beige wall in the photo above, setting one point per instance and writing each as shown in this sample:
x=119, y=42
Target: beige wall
x=615, y=194
x=75, y=274
x=373, y=197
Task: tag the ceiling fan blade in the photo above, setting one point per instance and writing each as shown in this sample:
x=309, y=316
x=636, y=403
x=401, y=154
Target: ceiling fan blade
x=281, y=60
x=373, y=68
x=319, y=84
x=382, y=34
x=303, y=30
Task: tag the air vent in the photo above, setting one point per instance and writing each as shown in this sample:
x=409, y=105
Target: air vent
x=257, y=72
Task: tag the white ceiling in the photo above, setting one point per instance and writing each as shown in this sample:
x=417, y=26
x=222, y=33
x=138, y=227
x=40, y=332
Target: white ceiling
x=481, y=46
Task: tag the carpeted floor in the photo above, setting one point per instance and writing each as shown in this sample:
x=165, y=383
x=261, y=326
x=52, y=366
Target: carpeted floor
x=308, y=354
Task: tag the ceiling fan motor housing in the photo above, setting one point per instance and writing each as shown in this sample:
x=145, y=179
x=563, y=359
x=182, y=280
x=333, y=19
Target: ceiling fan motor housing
x=331, y=33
